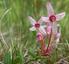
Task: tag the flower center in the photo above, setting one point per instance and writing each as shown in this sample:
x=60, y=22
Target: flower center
x=52, y=18
x=37, y=25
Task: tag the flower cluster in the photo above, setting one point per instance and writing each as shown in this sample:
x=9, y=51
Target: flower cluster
x=47, y=27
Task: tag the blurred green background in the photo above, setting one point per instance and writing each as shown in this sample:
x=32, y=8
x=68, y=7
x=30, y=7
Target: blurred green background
x=17, y=44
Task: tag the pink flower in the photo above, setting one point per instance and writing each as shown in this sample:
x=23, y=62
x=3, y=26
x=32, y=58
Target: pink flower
x=50, y=28
x=39, y=36
x=52, y=17
x=51, y=13
x=36, y=26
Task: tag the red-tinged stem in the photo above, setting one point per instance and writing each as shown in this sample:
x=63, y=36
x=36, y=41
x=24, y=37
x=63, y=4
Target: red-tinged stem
x=42, y=44
x=49, y=40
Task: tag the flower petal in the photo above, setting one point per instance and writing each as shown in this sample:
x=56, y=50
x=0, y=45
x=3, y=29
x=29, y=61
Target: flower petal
x=42, y=30
x=54, y=27
x=44, y=19
x=50, y=9
x=58, y=35
x=44, y=26
x=49, y=30
x=32, y=21
x=39, y=36
x=32, y=29
x=60, y=16
x=57, y=38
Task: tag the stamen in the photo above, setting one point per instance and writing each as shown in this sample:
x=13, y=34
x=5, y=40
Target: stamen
x=37, y=25
x=52, y=18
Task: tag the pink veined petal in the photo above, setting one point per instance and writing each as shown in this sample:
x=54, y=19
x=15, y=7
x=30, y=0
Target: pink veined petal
x=42, y=30
x=44, y=19
x=50, y=9
x=32, y=29
x=54, y=27
x=60, y=16
x=32, y=21
x=48, y=29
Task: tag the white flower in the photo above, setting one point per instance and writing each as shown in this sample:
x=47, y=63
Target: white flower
x=36, y=26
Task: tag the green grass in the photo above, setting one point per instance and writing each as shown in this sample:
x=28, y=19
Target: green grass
x=17, y=44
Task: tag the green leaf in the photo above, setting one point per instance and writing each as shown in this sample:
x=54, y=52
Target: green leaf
x=7, y=58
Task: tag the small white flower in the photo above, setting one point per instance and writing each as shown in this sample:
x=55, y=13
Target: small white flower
x=36, y=26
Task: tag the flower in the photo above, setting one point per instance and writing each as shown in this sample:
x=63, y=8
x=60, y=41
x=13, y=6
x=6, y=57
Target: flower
x=36, y=26
x=39, y=36
x=52, y=27
x=52, y=17
x=51, y=20
x=51, y=14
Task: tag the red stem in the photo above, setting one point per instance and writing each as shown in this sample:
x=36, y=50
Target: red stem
x=49, y=40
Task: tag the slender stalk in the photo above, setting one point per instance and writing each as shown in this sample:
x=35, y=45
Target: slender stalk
x=51, y=39
x=42, y=44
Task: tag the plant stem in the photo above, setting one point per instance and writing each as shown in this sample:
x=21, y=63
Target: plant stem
x=42, y=44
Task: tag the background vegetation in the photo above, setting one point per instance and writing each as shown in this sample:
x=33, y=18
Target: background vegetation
x=17, y=44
